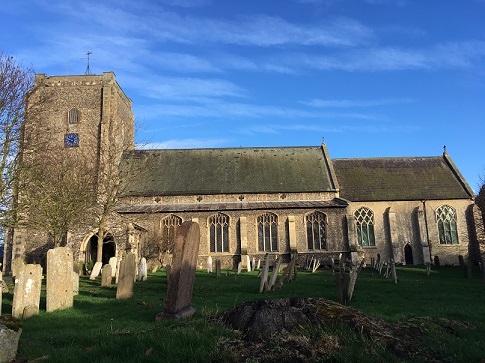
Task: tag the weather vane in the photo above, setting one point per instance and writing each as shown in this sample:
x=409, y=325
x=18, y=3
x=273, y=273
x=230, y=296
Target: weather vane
x=88, y=70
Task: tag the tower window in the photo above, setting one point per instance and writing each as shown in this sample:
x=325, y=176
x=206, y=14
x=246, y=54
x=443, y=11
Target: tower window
x=72, y=116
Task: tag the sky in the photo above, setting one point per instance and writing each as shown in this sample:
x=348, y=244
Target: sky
x=372, y=78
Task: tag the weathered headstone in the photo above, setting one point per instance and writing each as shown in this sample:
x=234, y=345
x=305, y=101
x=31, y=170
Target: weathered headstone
x=209, y=264
x=154, y=269
x=253, y=263
x=126, y=277
x=218, y=268
x=106, y=275
x=27, y=288
x=263, y=285
x=113, y=261
x=17, y=264
x=246, y=262
x=10, y=330
x=75, y=283
x=258, y=266
x=274, y=274
x=142, y=269
x=117, y=274
x=59, y=279
x=182, y=277
x=239, y=267
x=96, y=270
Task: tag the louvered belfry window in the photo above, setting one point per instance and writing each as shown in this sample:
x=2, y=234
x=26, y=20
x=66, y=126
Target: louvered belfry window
x=72, y=116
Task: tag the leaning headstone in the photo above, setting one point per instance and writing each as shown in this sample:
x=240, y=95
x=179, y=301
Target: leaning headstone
x=113, y=261
x=258, y=266
x=10, y=330
x=106, y=275
x=154, y=269
x=178, y=303
x=27, y=288
x=96, y=270
x=274, y=274
x=59, y=279
x=142, y=270
x=263, y=285
x=126, y=277
x=209, y=264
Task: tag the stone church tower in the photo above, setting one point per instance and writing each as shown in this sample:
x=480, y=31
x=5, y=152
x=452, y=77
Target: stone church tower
x=88, y=116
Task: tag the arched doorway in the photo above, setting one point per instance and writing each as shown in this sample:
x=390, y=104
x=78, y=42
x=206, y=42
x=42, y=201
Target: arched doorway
x=408, y=254
x=109, y=249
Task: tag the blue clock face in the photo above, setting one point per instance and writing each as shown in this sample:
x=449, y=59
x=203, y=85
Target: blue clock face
x=71, y=140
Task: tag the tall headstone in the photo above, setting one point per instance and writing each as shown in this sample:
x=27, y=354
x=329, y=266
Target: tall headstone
x=28, y=283
x=59, y=279
x=75, y=283
x=113, y=261
x=17, y=264
x=181, y=283
x=96, y=270
x=218, y=268
x=126, y=278
x=239, y=267
x=142, y=269
x=209, y=264
x=106, y=275
x=117, y=274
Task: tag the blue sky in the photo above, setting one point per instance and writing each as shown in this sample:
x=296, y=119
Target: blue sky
x=375, y=78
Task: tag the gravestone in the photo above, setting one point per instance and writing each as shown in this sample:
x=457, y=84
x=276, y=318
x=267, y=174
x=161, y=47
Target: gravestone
x=28, y=283
x=168, y=269
x=96, y=270
x=209, y=264
x=239, y=267
x=106, y=275
x=182, y=277
x=263, y=285
x=17, y=264
x=218, y=268
x=142, y=269
x=154, y=269
x=75, y=283
x=59, y=279
x=113, y=261
x=246, y=262
x=10, y=331
x=126, y=277
x=258, y=266
x=117, y=274
x=253, y=263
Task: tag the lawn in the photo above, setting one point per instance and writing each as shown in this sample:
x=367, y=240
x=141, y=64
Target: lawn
x=448, y=308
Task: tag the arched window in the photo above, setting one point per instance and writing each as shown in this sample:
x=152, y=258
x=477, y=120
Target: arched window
x=268, y=232
x=316, y=231
x=364, y=218
x=446, y=218
x=168, y=227
x=219, y=233
x=72, y=116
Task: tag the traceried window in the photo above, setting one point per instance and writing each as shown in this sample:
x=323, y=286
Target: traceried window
x=169, y=226
x=268, y=232
x=446, y=218
x=219, y=233
x=72, y=116
x=316, y=231
x=364, y=218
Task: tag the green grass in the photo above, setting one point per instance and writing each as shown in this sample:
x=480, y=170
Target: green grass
x=448, y=307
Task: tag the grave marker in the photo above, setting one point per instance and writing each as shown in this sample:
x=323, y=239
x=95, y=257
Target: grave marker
x=181, y=282
x=106, y=275
x=126, y=277
x=27, y=288
x=96, y=270
x=142, y=270
x=209, y=264
x=59, y=293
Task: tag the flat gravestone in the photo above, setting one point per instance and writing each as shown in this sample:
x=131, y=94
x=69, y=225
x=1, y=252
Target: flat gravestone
x=126, y=278
x=28, y=283
x=106, y=275
x=113, y=261
x=59, y=293
x=96, y=270
x=182, y=276
x=142, y=269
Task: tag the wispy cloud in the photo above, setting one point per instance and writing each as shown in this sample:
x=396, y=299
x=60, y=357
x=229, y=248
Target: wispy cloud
x=356, y=103
x=184, y=144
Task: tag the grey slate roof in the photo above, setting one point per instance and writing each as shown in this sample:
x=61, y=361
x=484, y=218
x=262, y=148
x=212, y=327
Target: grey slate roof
x=401, y=178
x=226, y=171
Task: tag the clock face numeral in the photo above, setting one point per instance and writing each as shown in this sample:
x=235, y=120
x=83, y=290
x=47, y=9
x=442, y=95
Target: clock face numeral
x=71, y=140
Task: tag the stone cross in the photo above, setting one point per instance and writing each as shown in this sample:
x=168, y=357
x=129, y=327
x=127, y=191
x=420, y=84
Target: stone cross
x=142, y=270
x=28, y=282
x=106, y=275
x=126, y=278
x=182, y=277
x=59, y=293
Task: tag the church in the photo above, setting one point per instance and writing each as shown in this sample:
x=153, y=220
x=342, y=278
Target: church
x=248, y=202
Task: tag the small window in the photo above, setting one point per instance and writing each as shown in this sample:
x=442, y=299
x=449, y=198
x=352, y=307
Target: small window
x=268, y=232
x=364, y=219
x=219, y=233
x=316, y=230
x=72, y=116
x=446, y=218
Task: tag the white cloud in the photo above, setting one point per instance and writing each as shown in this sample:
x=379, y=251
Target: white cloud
x=355, y=103
x=184, y=144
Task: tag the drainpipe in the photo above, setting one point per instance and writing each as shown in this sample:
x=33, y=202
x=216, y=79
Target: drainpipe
x=426, y=227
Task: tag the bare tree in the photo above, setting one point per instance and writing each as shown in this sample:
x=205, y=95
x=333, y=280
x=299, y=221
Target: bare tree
x=157, y=246
x=15, y=81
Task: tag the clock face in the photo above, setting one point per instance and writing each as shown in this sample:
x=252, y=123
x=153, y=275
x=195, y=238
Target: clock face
x=71, y=140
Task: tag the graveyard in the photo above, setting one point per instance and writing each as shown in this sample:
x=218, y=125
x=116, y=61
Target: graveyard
x=435, y=314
